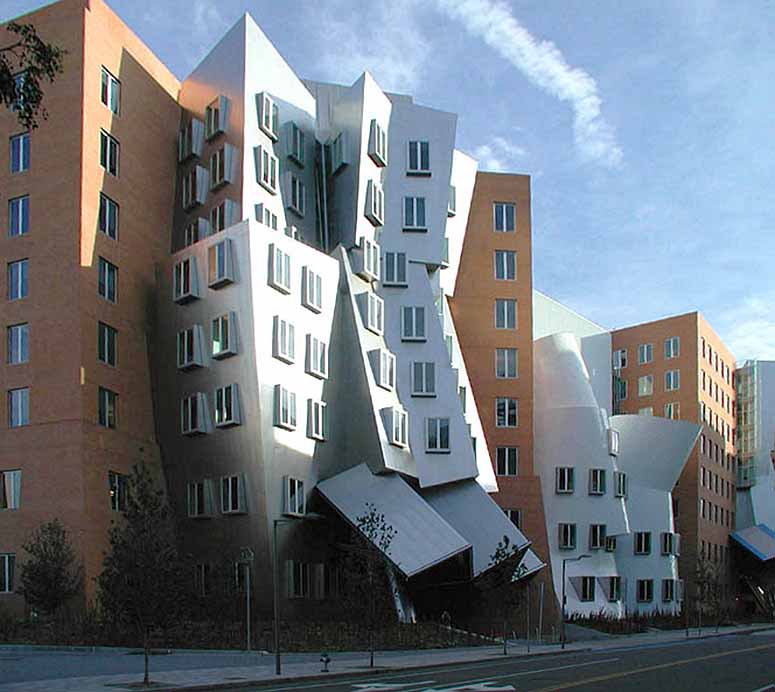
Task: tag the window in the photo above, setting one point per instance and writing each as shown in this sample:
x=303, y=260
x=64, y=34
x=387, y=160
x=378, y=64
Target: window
x=110, y=92
x=18, y=279
x=646, y=385
x=220, y=264
x=192, y=414
x=267, y=169
x=620, y=388
x=293, y=496
x=587, y=589
x=505, y=215
x=597, y=481
x=190, y=139
x=399, y=427
x=193, y=187
x=564, y=479
x=424, y=379
x=297, y=194
x=669, y=543
x=668, y=590
x=614, y=589
x=514, y=516
x=419, y=161
x=395, y=269
x=284, y=342
x=413, y=323
x=672, y=347
x=673, y=410
x=672, y=380
x=199, y=499
x=296, y=143
x=20, y=153
x=375, y=203
x=378, y=144
x=317, y=357
x=201, y=579
x=227, y=405
x=613, y=442
x=414, y=214
x=19, y=216
x=567, y=536
x=280, y=269
x=185, y=280
x=298, y=578
x=596, y=536
x=646, y=411
x=10, y=489
x=18, y=344
x=452, y=201
x=19, y=84
x=215, y=117
x=642, y=542
x=620, y=358
x=317, y=420
x=108, y=218
x=312, y=290
x=620, y=484
x=610, y=544
x=109, y=153
x=645, y=590
x=268, y=116
x=461, y=394
x=506, y=265
x=117, y=490
x=375, y=313
x=284, y=408
x=506, y=363
x=220, y=173
x=190, y=348
x=645, y=353
x=507, y=461
x=266, y=217
x=107, y=408
x=505, y=313
x=18, y=407
x=107, y=280
x=7, y=566
x=339, y=152
x=370, y=255
x=506, y=412
x=107, y=338
x=437, y=435
x=233, y=495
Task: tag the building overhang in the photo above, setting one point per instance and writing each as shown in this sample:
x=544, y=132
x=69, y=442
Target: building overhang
x=758, y=540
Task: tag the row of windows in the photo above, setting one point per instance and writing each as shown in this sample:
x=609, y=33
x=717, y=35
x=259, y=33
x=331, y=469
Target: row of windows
x=194, y=410
x=565, y=483
x=719, y=395
x=437, y=430
x=715, y=552
x=718, y=363
x=19, y=407
x=719, y=425
x=716, y=514
x=672, y=590
x=220, y=272
x=716, y=453
x=646, y=385
x=712, y=481
x=672, y=349
x=599, y=540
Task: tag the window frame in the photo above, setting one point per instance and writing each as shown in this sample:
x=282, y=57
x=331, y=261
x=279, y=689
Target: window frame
x=110, y=153
x=19, y=270
x=280, y=269
x=312, y=290
x=505, y=255
x=107, y=344
x=226, y=400
x=317, y=420
x=107, y=408
x=18, y=216
x=19, y=159
x=423, y=368
x=110, y=87
x=503, y=466
x=414, y=328
x=506, y=313
x=317, y=357
x=268, y=169
x=104, y=217
x=18, y=402
x=18, y=343
x=564, y=480
x=396, y=263
x=285, y=412
x=375, y=314
x=421, y=155
x=507, y=402
x=504, y=206
x=434, y=430
x=105, y=271
x=283, y=340
x=566, y=542
x=507, y=363
x=410, y=214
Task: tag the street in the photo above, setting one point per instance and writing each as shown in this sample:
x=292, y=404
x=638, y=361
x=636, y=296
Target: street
x=731, y=664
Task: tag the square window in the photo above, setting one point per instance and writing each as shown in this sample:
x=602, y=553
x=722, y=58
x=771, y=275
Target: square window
x=505, y=313
x=107, y=281
x=18, y=283
x=673, y=410
x=642, y=542
x=107, y=408
x=507, y=461
x=19, y=216
x=514, y=516
x=564, y=480
x=109, y=153
x=506, y=412
x=20, y=153
x=614, y=589
x=620, y=359
x=566, y=536
x=610, y=544
x=413, y=323
x=587, y=589
x=437, y=435
x=18, y=407
x=227, y=406
x=505, y=217
x=369, y=256
x=668, y=590
x=107, y=338
x=620, y=484
x=110, y=92
x=506, y=363
x=384, y=364
x=506, y=265
x=418, y=159
x=340, y=155
x=220, y=166
x=613, y=442
x=108, y=217
x=424, y=378
x=18, y=343
x=394, y=269
x=414, y=214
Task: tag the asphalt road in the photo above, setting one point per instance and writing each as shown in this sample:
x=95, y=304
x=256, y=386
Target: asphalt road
x=728, y=664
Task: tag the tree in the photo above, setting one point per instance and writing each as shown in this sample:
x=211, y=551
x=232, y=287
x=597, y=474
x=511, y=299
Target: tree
x=24, y=64
x=143, y=582
x=366, y=586
x=51, y=575
x=710, y=579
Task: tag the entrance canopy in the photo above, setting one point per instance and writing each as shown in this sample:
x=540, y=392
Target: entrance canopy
x=758, y=540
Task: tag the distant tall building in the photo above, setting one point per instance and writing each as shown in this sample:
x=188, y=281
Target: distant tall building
x=679, y=368
x=86, y=199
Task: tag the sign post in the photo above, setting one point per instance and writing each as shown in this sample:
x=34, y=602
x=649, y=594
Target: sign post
x=246, y=558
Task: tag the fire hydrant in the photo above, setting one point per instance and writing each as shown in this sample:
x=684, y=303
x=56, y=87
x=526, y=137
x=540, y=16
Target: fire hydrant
x=325, y=659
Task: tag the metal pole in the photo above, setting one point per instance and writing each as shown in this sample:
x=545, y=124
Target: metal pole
x=276, y=583
x=528, y=617
x=541, y=614
x=562, y=620
x=247, y=602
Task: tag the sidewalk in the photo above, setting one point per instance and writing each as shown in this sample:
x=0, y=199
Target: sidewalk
x=298, y=667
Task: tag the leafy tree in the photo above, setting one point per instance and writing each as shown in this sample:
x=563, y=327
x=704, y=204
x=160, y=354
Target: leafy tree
x=51, y=575
x=30, y=56
x=710, y=579
x=144, y=580
x=366, y=586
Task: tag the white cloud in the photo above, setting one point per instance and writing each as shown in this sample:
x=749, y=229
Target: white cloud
x=382, y=38
x=751, y=328
x=499, y=154
x=545, y=66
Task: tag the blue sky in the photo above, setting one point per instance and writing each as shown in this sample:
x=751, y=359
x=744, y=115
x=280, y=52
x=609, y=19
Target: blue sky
x=648, y=129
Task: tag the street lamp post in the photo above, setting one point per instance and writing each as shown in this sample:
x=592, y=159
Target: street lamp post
x=564, y=599
x=309, y=516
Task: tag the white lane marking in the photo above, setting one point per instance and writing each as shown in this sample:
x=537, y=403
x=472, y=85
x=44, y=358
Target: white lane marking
x=475, y=687
x=380, y=686
x=766, y=688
